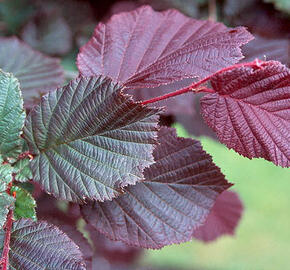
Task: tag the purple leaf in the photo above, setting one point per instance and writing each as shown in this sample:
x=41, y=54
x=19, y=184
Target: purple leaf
x=48, y=210
x=173, y=200
x=144, y=48
x=39, y=245
x=90, y=140
x=194, y=123
x=115, y=252
x=223, y=219
x=250, y=111
x=36, y=72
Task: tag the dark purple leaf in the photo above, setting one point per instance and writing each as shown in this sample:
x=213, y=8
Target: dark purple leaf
x=115, y=252
x=223, y=219
x=173, y=200
x=250, y=111
x=144, y=48
x=90, y=140
x=36, y=72
x=39, y=245
x=194, y=123
x=271, y=49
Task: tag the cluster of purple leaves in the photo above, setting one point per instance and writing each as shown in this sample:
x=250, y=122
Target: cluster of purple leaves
x=138, y=183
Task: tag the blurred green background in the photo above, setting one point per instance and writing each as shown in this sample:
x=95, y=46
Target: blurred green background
x=262, y=240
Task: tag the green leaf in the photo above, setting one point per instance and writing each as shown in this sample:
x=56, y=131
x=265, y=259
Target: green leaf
x=89, y=140
x=6, y=200
x=11, y=115
x=22, y=170
x=24, y=205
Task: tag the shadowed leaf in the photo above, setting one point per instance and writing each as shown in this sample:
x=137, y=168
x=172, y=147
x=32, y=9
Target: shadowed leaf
x=48, y=33
x=36, y=72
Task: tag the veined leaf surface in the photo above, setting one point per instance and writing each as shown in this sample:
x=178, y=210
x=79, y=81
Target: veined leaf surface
x=90, y=140
x=250, y=111
x=11, y=115
x=39, y=245
x=178, y=192
x=144, y=48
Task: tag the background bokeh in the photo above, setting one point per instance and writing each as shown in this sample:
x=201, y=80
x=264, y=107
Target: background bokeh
x=262, y=240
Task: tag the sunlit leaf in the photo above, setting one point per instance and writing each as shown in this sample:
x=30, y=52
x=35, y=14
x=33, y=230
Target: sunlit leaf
x=250, y=111
x=145, y=48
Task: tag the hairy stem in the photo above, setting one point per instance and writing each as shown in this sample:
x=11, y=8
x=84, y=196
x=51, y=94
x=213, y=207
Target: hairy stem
x=198, y=86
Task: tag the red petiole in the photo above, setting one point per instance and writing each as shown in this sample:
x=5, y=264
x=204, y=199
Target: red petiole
x=198, y=86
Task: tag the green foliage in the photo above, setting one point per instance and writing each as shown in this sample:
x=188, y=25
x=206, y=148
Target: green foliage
x=11, y=115
x=5, y=199
x=22, y=170
x=24, y=205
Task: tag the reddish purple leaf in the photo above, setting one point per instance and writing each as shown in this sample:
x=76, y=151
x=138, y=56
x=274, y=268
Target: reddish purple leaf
x=223, y=219
x=144, y=48
x=250, y=111
x=36, y=72
x=174, y=199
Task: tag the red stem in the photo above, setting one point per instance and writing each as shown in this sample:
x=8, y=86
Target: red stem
x=4, y=263
x=197, y=87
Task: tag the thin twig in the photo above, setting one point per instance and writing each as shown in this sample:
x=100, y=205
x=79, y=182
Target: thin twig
x=197, y=87
x=212, y=13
